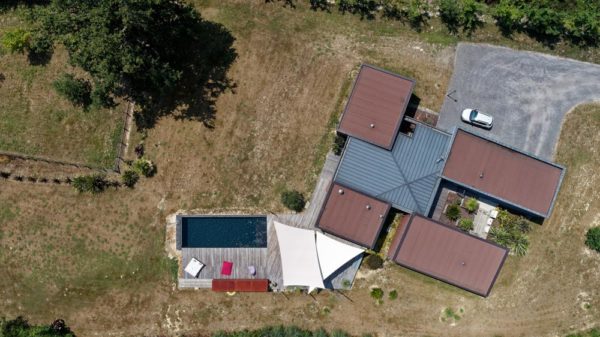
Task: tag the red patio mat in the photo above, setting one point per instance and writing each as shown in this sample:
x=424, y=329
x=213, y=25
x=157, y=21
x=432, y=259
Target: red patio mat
x=227, y=267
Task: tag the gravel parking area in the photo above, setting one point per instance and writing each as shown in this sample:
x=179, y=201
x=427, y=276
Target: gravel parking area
x=528, y=94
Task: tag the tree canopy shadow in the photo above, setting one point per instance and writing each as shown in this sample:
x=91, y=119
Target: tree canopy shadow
x=204, y=62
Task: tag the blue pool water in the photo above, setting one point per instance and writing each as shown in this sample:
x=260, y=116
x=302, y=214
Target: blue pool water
x=224, y=232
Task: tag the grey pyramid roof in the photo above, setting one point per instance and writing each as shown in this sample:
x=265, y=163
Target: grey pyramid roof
x=407, y=176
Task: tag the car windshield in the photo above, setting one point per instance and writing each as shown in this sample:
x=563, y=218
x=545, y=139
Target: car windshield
x=473, y=114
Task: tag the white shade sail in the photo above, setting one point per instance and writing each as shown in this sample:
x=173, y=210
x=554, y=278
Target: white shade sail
x=333, y=254
x=309, y=257
x=299, y=260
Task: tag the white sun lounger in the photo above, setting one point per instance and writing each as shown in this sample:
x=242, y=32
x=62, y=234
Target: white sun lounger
x=194, y=267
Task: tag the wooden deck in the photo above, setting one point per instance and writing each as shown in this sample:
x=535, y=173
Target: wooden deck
x=267, y=261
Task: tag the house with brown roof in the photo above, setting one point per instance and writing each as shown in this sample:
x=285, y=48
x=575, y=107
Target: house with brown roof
x=393, y=161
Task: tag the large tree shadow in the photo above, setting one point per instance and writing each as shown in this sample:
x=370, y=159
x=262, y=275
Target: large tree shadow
x=205, y=62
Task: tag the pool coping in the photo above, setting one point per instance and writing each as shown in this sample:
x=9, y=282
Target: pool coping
x=179, y=217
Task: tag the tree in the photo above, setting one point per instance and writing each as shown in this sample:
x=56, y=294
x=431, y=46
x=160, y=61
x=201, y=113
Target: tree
x=592, y=238
x=16, y=40
x=471, y=13
x=130, y=178
x=583, y=27
x=149, y=51
x=508, y=16
x=417, y=13
x=450, y=14
x=293, y=200
x=544, y=23
x=75, y=90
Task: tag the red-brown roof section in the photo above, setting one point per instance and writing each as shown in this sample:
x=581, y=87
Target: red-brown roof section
x=379, y=98
x=450, y=255
x=352, y=215
x=503, y=173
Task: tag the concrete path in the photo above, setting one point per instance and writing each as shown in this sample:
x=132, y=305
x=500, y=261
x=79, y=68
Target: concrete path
x=528, y=94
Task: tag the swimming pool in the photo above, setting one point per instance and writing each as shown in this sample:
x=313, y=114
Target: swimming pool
x=223, y=231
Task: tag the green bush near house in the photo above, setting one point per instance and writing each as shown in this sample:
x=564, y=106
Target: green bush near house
x=453, y=212
x=374, y=261
x=338, y=144
x=293, y=200
x=471, y=205
x=510, y=232
x=465, y=224
x=393, y=295
x=592, y=238
x=377, y=293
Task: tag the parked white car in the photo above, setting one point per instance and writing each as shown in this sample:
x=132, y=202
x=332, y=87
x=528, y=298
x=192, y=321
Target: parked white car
x=473, y=116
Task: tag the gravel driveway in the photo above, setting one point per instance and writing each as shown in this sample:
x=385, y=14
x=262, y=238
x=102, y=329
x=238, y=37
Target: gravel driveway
x=528, y=94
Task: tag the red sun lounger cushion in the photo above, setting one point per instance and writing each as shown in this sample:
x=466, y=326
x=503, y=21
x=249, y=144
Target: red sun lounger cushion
x=227, y=267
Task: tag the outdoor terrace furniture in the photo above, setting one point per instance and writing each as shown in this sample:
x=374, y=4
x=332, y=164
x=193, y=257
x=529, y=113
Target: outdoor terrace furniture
x=227, y=268
x=489, y=222
x=493, y=214
x=252, y=270
x=248, y=285
x=194, y=267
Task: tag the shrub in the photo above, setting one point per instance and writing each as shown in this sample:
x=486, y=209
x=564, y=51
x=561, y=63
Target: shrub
x=453, y=212
x=338, y=144
x=377, y=293
x=471, y=205
x=40, y=49
x=75, y=90
x=592, y=238
x=450, y=14
x=16, y=40
x=510, y=232
x=95, y=183
x=293, y=200
x=393, y=295
x=144, y=167
x=417, y=13
x=508, y=16
x=471, y=12
x=374, y=261
x=130, y=178
x=465, y=224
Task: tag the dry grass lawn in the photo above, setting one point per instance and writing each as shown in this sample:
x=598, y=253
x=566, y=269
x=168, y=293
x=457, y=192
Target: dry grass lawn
x=34, y=120
x=98, y=261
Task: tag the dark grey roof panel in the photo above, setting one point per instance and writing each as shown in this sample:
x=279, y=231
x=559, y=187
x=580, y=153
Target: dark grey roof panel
x=406, y=176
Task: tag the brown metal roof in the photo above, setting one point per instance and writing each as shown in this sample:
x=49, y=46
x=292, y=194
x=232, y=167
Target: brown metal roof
x=502, y=172
x=450, y=255
x=379, y=98
x=352, y=215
